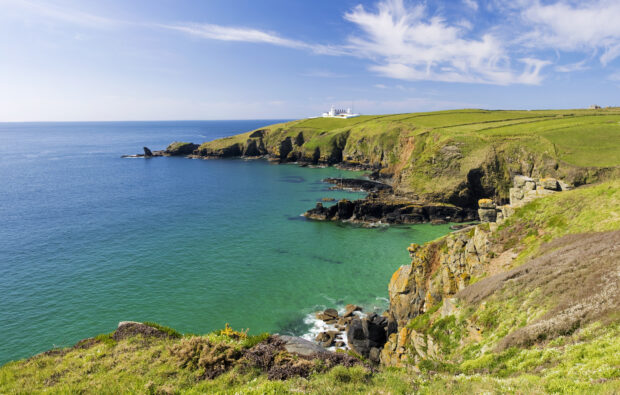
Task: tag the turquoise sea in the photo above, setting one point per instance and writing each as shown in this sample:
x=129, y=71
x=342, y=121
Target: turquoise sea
x=88, y=239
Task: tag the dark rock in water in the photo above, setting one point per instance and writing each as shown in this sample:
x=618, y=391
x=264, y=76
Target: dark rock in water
x=147, y=152
x=390, y=210
x=179, y=148
x=327, y=315
x=345, y=208
x=350, y=309
x=360, y=184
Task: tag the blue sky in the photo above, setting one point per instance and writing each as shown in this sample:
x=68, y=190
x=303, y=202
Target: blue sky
x=247, y=59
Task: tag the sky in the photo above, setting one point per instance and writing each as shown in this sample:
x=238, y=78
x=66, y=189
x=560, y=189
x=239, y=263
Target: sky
x=106, y=60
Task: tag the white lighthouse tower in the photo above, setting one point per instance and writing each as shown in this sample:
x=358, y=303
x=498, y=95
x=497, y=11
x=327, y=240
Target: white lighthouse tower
x=339, y=113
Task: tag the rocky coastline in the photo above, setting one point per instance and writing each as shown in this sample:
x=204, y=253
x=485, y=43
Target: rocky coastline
x=438, y=270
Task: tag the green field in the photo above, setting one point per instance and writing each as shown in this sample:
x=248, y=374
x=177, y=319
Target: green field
x=435, y=154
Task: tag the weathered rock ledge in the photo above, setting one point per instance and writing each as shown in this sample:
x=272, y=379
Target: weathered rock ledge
x=358, y=184
x=388, y=209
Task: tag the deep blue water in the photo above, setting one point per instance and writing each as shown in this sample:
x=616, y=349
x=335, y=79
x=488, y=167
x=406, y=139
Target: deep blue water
x=88, y=239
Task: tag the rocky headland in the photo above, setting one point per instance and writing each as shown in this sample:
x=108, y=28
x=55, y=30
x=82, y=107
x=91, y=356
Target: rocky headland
x=525, y=301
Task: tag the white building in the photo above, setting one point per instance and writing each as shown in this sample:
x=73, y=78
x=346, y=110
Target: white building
x=339, y=113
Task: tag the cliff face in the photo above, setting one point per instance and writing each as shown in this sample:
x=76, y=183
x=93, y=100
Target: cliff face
x=437, y=272
x=454, y=157
x=436, y=311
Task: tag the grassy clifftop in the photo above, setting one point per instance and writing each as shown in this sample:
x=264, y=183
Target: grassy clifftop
x=452, y=156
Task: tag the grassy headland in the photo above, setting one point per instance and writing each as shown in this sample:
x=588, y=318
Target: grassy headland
x=451, y=156
x=529, y=306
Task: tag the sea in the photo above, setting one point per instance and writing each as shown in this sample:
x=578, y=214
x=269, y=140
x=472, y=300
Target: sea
x=88, y=239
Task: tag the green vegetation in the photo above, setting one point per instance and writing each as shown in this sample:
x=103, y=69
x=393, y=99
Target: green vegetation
x=167, y=330
x=550, y=324
x=586, y=209
x=586, y=362
x=450, y=155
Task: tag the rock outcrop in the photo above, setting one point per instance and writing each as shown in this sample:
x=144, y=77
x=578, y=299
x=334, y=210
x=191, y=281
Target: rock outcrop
x=367, y=335
x=358, y=184
x=438, y=270
x=524, y=190
x=389, y=210
x=179, y=148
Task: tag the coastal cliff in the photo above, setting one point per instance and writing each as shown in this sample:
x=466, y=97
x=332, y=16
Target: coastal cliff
x=439, y=303
x=529, y=304
x=527, y=301
x=454, y=157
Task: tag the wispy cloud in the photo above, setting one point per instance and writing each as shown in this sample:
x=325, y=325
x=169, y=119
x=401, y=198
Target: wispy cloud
x=409, y=44
x=63, y=14
x=244, y=34
x=471, y=4
x=575, y=27
x=572, y=67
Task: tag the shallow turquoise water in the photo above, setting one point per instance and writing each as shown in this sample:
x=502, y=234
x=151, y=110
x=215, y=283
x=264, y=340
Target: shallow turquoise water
x=89, y=239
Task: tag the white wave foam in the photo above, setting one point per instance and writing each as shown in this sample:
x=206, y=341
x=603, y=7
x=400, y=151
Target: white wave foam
x=317, y=326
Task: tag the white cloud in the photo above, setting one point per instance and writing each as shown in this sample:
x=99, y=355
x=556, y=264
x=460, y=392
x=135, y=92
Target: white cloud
x=471, y=4
x=50, y=11
x=569, y=68
x=243, y=34
x=408, y=44
x=569, y=26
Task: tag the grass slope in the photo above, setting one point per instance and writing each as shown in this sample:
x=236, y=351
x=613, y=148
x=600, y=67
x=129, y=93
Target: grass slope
x=435, y=153
x=474, y=355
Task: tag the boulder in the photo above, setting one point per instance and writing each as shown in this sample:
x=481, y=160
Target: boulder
x=366, y=333
x=529, y=186
x=297, y=345
x=487, y=214
x=565, y=186
x=486, y=203
x=550, y=184
x=519, y=181
x=350, y=309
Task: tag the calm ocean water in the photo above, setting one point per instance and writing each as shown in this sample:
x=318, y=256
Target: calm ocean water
x=88, y=239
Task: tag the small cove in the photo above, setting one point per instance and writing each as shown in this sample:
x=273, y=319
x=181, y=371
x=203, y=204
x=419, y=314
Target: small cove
x=90, y=239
